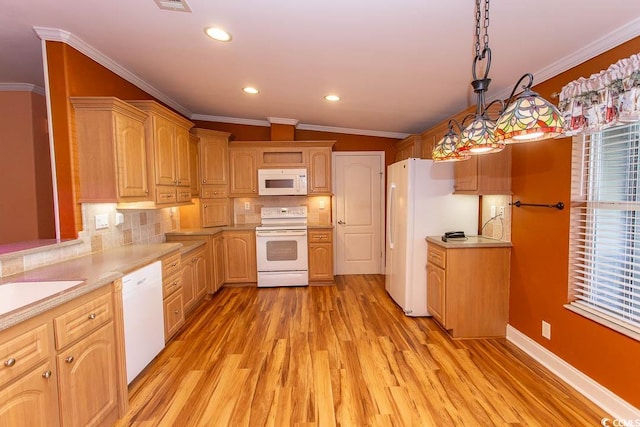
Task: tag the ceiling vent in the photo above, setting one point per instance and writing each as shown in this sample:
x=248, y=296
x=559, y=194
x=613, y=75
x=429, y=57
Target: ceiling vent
x=175, y=5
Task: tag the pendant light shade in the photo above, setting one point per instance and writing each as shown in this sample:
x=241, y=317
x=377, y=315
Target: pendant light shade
x=478, y=137
x=446, y=150
x=528, y=118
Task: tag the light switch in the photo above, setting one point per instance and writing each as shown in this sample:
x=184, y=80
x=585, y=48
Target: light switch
x=102, y=221
x=247, y=206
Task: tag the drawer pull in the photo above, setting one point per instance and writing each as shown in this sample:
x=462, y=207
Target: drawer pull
x=46, y=375
x=92, y=316
x=69, y=359
x=10, y=362
x=177, y=312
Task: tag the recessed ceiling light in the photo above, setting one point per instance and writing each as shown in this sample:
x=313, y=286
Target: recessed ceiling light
x=251, y=90
x=218, y=34
x=332, y=98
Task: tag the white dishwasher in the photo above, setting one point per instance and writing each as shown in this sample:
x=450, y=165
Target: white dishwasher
x=143, y=317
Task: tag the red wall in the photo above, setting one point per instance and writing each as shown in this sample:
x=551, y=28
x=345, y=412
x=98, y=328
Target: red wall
x=539, y=267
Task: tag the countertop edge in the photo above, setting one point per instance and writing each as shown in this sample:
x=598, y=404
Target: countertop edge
x=471, y=242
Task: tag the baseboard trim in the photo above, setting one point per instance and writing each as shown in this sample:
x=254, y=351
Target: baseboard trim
x=615, y=406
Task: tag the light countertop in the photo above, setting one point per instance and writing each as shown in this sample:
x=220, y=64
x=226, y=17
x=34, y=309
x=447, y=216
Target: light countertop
x=92, y=271
x=469, y=242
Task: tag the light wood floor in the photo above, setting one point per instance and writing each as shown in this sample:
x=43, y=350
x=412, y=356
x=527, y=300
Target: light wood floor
x=341, y=355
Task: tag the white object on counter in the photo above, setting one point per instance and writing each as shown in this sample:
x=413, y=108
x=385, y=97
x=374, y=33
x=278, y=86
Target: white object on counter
x=15, y=295
x=143, y=317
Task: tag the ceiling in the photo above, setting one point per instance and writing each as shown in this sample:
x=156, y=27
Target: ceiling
x=400, y=66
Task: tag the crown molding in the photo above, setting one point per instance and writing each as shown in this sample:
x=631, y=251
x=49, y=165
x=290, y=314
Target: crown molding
x=601, y=45
x=364, y=132
x=233, y=120
x=282, y=121
x=57, y=35
x=21, y=87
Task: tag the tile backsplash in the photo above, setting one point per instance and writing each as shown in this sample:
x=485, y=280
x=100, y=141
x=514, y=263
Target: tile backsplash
x=318, y=208
x=497, y=228
x=139, y=226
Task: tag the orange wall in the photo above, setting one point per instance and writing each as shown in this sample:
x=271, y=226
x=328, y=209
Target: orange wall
x=539, y=267
x=26, y=196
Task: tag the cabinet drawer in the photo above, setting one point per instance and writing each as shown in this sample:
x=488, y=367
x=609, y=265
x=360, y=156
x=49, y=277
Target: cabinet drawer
x=165, y=195
x=23, y=352
x=173, y=315
x=320, y=236
x=437, y=255
x=81, y=321
x=184, y=195
x=171, y=284
x=170, y=265
x=214, y=192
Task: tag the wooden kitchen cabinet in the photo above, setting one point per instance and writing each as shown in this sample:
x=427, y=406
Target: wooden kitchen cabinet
x=319, y=172
x=409, y=147
x=320, y=255
x=240, y=256
x=112, y=150
x=194, y=165
x=218, y=262
x=484, y=174
x=243, y=171
x=468, y=286
x=194, y=276
x=214, y=162
x=167, y=135
x=172, y=294
x=215, y=212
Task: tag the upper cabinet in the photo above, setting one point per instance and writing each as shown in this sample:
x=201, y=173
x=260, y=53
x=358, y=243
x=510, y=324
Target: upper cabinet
x=194, y=164
x=409, y=147
x=484, y=174
x=214, y=166
x=111, y=150
x=243, y=171
x=167, y=136
x=319, y=171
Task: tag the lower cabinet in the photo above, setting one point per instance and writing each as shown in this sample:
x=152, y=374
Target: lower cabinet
x=172, y=294
x=218, y=262
x=64, y=367
x=321, y=255
x=240, y=256
x=194, y=276
x=468, y=288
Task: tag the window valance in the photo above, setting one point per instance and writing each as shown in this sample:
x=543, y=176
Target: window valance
x=605, y=99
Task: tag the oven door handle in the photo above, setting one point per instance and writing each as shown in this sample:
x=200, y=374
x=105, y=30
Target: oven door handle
x=279, y=233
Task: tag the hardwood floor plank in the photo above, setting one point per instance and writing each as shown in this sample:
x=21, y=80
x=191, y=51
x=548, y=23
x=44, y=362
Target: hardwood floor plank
x=342, y=355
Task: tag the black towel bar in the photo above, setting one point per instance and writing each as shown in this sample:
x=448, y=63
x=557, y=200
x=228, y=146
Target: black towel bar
x=518, y=203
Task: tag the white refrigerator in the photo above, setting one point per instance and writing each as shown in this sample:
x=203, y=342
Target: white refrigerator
x=420, y=203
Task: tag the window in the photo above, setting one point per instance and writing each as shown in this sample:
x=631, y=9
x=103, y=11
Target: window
x=604, y=253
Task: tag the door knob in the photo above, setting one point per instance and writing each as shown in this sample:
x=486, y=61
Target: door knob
x=342, y=222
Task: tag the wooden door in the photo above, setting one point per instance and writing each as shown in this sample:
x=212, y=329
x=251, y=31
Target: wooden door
x=243, y=172
x=466, y=175
x=214, y=160
x=218, y=262
x=319, y=171
x=87, y=379
x=182, y=166
x=359, y=207
x=164, y=151
x=131, y=157
x=173, y=315
x=240, y=257
x=215, y=212
x=32, y=400
x=436, y=293
x=320, y=262
x=188, y=284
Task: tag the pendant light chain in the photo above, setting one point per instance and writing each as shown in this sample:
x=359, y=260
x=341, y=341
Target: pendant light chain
x=485, y=27
x=486, y=24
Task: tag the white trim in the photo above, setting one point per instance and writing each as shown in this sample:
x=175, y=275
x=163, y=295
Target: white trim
x=283, y=121
x=598, y=394
x=234, y=120
x=54, y=34
x=365, y=132
x=603, y=44
x=21, y=87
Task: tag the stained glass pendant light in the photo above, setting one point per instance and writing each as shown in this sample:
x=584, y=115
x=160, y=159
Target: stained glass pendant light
x=446, y=149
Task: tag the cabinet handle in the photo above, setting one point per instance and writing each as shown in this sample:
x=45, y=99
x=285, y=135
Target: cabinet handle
x=175, y=181
x=146, y=191
x=176, y=312
x=204, y=181
x=342, y=222
x=206, y=206
x=193, y=259
x=46, y=375
x=215, y=192
x=174, y=264
x=10, y=362
x=69, y=359
x=92, y=316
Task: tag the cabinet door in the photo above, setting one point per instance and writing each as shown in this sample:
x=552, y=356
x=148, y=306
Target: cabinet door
x=494, y=172
x=466, y=174
x=320, y=262
x=182, y=166
x=131, y=157
x=243, y=172
x=215, y=212
x=214, y=161
x=87, y=379
x=194, y=165
x=218, y=263
x=320, y=171
x=173, y=315
x=30, y=401
x=240, y=257
x=200, y=275
x=436, y=293
x=164, y=151
x=188, y=285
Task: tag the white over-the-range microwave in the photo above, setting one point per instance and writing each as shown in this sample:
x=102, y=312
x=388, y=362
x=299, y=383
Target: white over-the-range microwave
x=282, y=182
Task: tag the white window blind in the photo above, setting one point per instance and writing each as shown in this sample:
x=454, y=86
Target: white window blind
x=604, y=256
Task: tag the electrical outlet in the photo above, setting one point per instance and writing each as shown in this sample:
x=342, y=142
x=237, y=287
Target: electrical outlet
x=493, y=211
x=102, y=221
x=501, y=211
x=546, y=330
x=321, y=204
x=247, y=206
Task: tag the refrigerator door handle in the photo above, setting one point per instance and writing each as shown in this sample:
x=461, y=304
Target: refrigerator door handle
x=390, y=215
